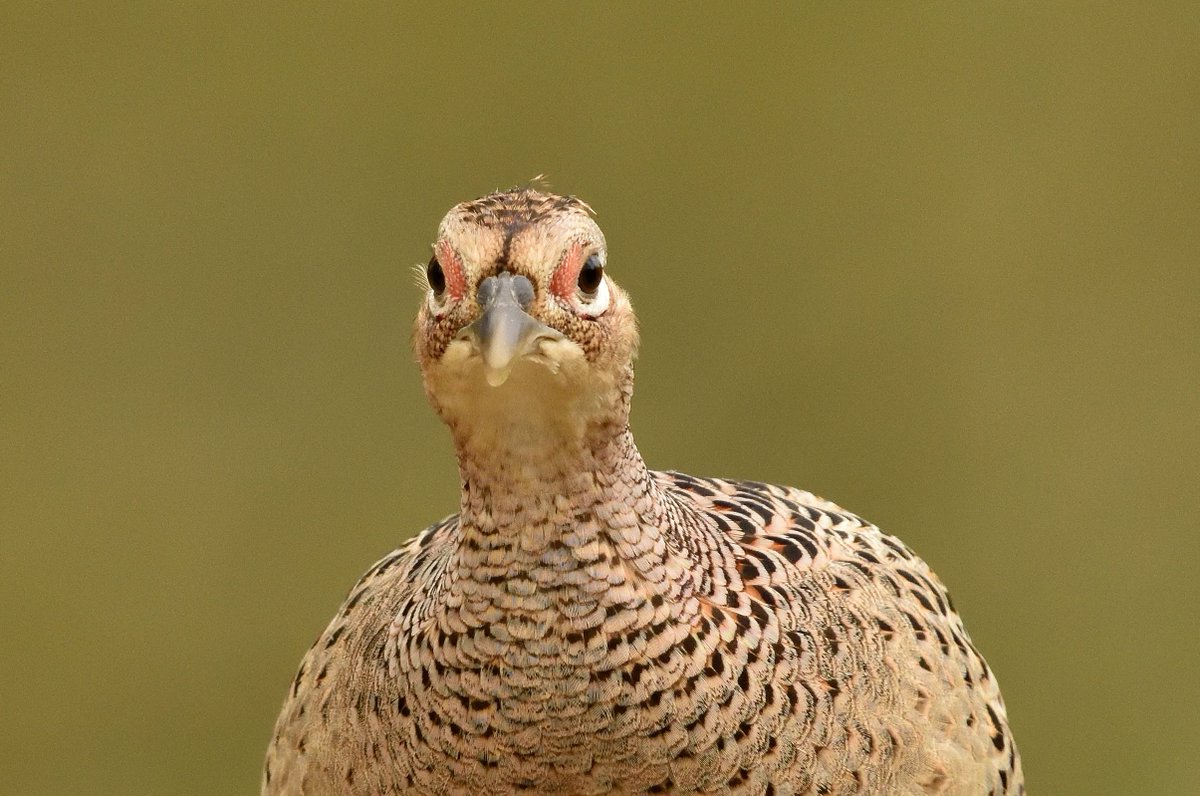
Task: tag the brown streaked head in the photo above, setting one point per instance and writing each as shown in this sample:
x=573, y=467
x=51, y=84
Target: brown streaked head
x=520, y=316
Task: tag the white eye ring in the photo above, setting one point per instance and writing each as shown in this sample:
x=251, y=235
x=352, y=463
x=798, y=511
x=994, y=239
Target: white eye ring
x=438, y=308
x=595, y=305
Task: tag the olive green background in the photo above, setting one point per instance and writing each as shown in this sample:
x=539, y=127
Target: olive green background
x=935, y=262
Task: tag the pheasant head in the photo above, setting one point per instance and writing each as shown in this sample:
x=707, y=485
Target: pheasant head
x=523, y=339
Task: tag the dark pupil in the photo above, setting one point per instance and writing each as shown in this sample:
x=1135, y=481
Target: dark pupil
x=437, y=279
x=591, y=274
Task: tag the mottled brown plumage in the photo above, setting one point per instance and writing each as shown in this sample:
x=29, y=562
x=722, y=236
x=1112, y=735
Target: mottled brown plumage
x=585, y=625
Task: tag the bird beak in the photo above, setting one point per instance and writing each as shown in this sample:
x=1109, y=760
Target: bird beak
x=504, y=332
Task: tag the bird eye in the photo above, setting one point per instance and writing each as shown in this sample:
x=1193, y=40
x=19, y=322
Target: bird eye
x=436, y=277
x=591, y=275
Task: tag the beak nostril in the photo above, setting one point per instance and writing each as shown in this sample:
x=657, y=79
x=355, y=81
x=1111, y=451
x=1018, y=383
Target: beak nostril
x=486, y=293
x=505, y=285
x=523, y=290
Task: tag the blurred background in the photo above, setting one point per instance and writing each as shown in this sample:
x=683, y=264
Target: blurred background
x=937, y=264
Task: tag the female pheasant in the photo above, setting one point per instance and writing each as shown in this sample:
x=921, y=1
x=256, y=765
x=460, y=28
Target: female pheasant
x=585, y=625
